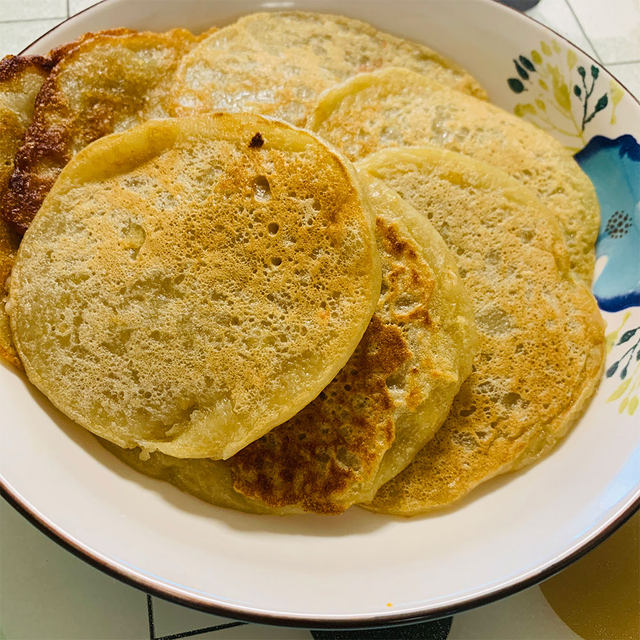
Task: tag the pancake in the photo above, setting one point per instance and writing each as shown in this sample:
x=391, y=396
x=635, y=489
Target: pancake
x=191, y=283
x=542, y=345
x=20, y=80
x=8, y=248
x=104, y=83
x=278, y=63
x=398, y=107
x=380, y=409
x=209, y=480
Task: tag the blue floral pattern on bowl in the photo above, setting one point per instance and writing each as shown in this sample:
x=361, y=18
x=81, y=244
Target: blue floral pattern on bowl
x=614, y=168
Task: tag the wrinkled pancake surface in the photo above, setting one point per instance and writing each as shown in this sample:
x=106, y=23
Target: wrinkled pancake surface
x=191, y=283
x=278, y=63
x=389, y=399
x=20, y=80
x=397, y=107
x=106, y=82
x=541, y=335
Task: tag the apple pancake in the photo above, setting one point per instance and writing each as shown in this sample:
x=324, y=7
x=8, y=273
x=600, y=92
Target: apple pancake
x=20, y=80
x=381, y=408
x=398, y=107
x=191, y=283
x=542, y=346
x=277, y=63
x=105, y=82
x=8, y=247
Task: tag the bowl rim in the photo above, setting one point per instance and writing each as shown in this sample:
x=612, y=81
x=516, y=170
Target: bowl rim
x=160, y=589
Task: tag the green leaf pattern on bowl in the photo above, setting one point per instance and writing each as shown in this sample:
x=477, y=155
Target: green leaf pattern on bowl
x=623, y=347
x=562, y=96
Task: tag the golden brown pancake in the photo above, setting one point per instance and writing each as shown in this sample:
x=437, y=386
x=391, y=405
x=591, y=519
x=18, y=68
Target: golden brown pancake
x=191, y=283
x=392, y=395
x=397, y=107
x=387, y=401
x=20, y=80
x=541, y=335
x=278, y=63
x=106, y=82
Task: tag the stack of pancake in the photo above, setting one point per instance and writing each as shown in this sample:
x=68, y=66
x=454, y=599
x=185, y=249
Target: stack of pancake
x=294, y=264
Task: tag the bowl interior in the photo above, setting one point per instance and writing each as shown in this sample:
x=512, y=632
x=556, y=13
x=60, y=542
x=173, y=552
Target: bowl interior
x=359, y=568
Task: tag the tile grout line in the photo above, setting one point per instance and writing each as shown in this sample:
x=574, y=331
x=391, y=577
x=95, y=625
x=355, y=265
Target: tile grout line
x=152, y=631
x=195, y=632
x=68, y=10
x=613, y=64
x=33, y=19
x=584, y=33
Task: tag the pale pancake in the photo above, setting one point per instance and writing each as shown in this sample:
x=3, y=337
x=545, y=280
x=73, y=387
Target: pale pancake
x=104, y=83
x=397, y=107
x=541, y=335
x=278, y=63
x=191, y=283
x=388, y=400
x=20, y=80
x=209, y=480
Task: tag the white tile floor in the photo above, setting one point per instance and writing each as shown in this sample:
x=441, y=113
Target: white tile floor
x=628, y=74
x=79, y=5
x=613, y=26
x=15, y=36
x=559, y=15
x=39, y=571
x=32, y=9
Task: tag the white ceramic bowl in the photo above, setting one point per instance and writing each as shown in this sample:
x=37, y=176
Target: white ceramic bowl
x=364, y=569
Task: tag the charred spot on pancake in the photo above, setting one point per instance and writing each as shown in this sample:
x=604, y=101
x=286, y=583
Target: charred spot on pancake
x=257, y=141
